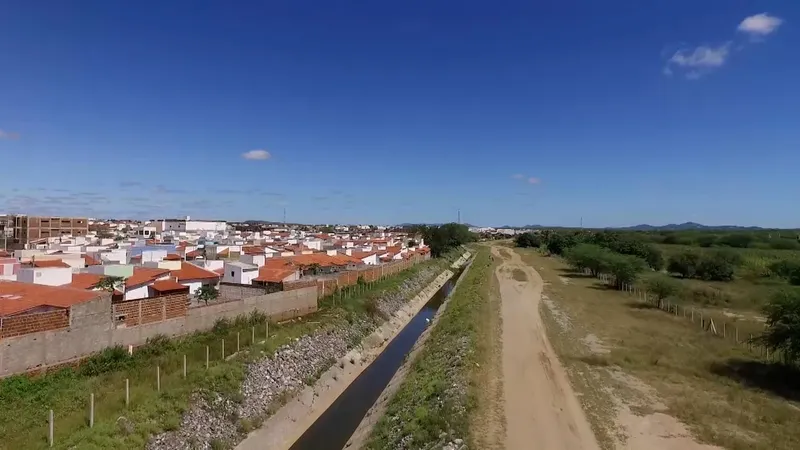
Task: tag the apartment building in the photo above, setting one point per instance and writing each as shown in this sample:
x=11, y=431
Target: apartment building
x=20, y=230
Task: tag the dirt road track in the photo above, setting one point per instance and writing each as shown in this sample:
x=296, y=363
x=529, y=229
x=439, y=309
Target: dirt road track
x=541, y=409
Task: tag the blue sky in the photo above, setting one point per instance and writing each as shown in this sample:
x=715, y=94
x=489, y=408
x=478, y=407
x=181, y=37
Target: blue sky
x=619, y=112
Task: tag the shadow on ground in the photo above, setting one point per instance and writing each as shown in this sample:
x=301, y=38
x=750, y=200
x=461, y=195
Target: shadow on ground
x=778, y=378
x=568, y=273
x=641, y=305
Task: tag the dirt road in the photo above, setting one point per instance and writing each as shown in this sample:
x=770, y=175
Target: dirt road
x=541, y=409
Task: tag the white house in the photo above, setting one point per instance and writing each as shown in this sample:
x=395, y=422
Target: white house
x=189, y=225
x=253, y=259
x=239, y=272
x=48, y=276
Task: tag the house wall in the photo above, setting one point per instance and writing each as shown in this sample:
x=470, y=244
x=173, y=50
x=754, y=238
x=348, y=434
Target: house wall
x=47, y=276
x=137, y=292
x=92, y=328
x=32, y=323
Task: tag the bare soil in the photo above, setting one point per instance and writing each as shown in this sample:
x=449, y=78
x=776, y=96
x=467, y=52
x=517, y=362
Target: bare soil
x=541, y=409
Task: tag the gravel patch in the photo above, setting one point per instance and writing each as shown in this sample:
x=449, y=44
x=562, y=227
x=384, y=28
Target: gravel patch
x=213, y=420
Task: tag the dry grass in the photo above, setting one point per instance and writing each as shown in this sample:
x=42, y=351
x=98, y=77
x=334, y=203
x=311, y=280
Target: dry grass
x=725, y=395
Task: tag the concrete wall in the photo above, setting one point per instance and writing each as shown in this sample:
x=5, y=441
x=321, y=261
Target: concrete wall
x=92, y=327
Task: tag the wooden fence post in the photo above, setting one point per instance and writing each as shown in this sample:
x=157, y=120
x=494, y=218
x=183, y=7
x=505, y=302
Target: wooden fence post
x=127, y=392
x=50, y=437
x=158, y=378
x=184, y=366
x=91, y=410
x=208, y=351
x=237, y=342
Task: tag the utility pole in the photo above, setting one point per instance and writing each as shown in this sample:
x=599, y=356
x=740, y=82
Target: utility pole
x=459, y=216
x=581, y=221
x=284, y=217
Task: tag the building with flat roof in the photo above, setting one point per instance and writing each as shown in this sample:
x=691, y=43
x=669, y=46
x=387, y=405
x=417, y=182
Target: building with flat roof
x=20, y=230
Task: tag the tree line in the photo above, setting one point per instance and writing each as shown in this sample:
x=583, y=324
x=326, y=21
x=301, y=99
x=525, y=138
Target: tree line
x=443, y=238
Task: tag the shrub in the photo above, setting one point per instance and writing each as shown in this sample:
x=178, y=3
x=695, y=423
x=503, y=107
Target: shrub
x=706, y=240
x=625, y=268
x=783, y=323
x=715, y=268
x=663, y=287
x=526, y=240
x=108, y=360
x=788, y=269
x=784, y=244
x=738, y=240
x=589, y=256
x=684, y=264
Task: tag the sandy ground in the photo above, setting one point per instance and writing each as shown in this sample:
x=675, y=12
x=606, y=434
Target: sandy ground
x=541, y=409
x=283, y=428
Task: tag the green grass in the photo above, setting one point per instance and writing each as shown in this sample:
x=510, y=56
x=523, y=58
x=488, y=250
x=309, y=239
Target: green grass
x=425, y=405
x=26, y=401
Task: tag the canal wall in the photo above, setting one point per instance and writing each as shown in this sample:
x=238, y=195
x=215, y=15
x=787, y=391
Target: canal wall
x=284, y=427
x=371, y=418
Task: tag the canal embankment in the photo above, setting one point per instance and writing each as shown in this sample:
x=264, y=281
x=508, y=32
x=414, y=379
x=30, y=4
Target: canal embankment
x=289, y=423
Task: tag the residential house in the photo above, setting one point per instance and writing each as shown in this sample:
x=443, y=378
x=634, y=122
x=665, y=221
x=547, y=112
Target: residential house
x=195, y=277
x=239, y=273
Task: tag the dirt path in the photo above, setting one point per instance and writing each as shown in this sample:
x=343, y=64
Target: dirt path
x=541, y=409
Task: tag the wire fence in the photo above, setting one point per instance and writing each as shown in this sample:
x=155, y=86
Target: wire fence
x=714, y=326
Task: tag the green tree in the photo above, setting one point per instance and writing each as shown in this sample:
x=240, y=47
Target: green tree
x=589, y=256
x=737, y=240
x=718, y=265
x=706, y=240
x=625, y=268
x=684, y=264
x=663, y=287
x=783, y=324
x=788, y=269
x=412, y=243
x=110, y=283
x=526, y=240
x=207, y=293
x=443, y=238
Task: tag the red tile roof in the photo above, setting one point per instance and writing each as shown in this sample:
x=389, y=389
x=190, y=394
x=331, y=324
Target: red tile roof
x=168, y=285
x=143, y=275
x=173, y=257
x=89, y=261
x=224, y=253
x=85, y=280
x=50, y=263
x=189, y=271
x=269, y=275
x=194, y=253
x=16, y=297
x=4, y=254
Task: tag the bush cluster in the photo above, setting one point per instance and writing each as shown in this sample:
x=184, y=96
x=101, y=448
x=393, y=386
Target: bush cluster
x=717, y=265
x=624, y=268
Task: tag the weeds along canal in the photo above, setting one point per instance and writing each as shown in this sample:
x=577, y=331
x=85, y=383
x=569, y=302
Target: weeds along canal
x=335, y=426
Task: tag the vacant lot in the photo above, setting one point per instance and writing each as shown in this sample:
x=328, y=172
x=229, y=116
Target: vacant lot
x=639, y=369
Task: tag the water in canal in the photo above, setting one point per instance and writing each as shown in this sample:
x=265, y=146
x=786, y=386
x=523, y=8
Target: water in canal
x=335, y=426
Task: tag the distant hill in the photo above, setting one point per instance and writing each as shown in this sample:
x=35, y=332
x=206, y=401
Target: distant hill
x=687, y=226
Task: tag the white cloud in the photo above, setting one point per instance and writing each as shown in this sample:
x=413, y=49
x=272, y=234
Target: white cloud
x=256, y=155
x=8, y=135
x=702, y=56
x=760, y=24
x=696, y=62
x=534, y=180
